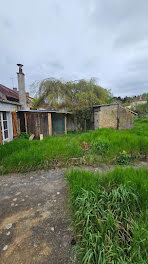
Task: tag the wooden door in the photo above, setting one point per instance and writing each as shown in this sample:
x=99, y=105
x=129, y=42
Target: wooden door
x=14, y=123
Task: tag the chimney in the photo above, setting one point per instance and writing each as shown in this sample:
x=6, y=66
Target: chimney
x=14, y=89
x=21, y=87
x=27, y=94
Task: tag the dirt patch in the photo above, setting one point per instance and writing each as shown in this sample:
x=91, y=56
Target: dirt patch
x=35, y=226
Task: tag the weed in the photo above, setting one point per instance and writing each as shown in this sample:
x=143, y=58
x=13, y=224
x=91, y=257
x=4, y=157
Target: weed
x=124, y=158
x=110, y=215
x=94, y=147
x=24, y=135
x=100, y=147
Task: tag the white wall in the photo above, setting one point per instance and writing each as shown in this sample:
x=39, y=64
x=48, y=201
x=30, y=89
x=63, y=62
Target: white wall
x=8, y=107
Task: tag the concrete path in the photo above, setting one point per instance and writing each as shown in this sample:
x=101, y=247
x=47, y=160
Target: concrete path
x=34, y=223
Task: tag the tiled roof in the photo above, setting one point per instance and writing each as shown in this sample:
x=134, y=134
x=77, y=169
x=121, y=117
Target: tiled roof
x=11, y=93
x=8, y=92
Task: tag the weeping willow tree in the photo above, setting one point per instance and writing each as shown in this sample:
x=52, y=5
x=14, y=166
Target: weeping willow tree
x=56, y=94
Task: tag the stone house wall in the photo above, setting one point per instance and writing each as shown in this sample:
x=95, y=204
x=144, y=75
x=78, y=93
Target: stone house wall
x=113, y=116
x=126, y=119
x=105, y=117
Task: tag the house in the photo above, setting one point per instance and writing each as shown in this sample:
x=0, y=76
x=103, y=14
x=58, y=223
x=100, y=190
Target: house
x=113, y=116
x=9, y=105
x=46, y=122
x=16, y=116
x=8, y=120
x=7, y=94
x=10, y=102
x=138, y=101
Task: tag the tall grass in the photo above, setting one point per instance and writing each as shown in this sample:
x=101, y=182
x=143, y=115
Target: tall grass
x=110, y=215
x=105, y=146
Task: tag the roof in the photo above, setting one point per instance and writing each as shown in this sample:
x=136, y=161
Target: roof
x=11, y=93
x=9, y=102
x=43, y=111
x=96, y=106
x=132, y=112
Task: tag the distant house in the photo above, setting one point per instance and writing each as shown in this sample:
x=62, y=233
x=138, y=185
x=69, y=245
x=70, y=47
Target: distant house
x=113, y=116
x=138, y=100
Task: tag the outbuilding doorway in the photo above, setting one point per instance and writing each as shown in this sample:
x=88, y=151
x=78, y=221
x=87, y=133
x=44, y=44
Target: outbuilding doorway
x=58, y=124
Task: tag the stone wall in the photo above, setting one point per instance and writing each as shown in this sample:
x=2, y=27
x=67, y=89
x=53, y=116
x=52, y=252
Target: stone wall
x=126, y=120
x=22, y=92
x=106, y=117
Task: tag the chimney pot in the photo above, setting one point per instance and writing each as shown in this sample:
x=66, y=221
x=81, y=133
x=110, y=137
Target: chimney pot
x=20, y=67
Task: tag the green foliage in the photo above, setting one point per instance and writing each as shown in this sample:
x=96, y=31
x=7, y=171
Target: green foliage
x=24, y=155
x=78, y=95
x=142, y=109
x=124, y=158
x=84, y=118
x=25, y=135
x=110, y=215
x=145, y=96
x=140, y=127
x=100, y=147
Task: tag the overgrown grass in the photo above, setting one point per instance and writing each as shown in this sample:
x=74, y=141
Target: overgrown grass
x=110, y=215
x=105, y=145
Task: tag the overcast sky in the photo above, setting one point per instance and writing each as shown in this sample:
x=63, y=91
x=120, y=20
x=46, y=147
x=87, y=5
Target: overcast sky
x=76, y=39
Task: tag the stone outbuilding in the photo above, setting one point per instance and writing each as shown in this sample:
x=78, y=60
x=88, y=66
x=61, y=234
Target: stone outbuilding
x=113, y=116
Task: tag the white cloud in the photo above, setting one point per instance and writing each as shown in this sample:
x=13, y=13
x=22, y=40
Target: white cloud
x=76, y=39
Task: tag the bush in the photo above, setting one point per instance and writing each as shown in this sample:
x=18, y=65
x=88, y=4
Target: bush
x=124, y=158
x=24, y=135
x=100, y=147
